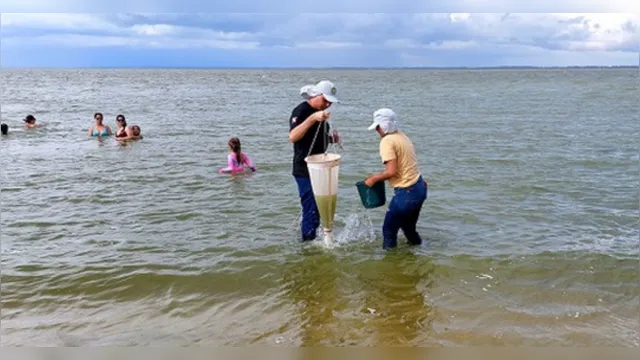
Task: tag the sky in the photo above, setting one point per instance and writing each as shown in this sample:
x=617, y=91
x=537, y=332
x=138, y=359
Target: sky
x=288, y=37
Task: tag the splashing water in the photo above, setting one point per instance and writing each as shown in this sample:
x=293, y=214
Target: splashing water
x=357, y=226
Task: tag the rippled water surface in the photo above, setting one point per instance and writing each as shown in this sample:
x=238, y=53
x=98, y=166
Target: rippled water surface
x=531, y=226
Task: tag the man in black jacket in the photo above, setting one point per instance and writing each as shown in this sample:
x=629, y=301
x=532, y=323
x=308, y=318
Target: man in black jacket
x=310, y=135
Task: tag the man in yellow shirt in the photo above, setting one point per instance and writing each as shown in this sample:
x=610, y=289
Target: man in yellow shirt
x=410, y=189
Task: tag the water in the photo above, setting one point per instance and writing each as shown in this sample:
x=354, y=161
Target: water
x=531, y=225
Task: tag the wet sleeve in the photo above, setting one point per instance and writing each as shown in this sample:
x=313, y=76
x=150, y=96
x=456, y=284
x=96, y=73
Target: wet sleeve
x=229, y=167
x=248, y=162
x=230, y=161
x=387, y=150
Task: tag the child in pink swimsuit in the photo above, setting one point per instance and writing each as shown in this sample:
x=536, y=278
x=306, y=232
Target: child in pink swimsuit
x=236, y=159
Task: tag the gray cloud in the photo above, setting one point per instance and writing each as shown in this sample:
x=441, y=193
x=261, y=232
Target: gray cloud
x=405, y=35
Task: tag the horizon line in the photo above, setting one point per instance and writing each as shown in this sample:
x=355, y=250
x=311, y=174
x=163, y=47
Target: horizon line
x=497, y=67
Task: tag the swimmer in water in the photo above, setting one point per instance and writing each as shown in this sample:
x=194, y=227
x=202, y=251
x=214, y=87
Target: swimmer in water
x=121, y=122
x=30, y=122
x=99, y=129
x=132, y=132
x=5, y=129
x=236, y=159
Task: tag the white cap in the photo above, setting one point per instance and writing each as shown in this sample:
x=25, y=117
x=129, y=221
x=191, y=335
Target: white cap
x=386, y=119
x=324, y=87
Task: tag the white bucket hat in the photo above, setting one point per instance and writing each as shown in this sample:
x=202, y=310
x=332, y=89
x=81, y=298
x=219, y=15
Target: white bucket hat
x=324, y=88
x=386, y=119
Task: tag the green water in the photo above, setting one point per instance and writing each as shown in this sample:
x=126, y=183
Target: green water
x=327, y=208
x=530, y=229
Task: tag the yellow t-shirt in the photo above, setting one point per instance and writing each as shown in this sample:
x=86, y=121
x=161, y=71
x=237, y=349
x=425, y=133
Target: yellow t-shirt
x=399, y=147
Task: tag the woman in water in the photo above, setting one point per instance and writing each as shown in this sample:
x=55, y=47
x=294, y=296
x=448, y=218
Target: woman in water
x=121, y=123
x=99, y=129
x=236, y=159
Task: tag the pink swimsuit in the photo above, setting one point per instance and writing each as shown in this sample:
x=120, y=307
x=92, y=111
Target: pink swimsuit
x=235, y=167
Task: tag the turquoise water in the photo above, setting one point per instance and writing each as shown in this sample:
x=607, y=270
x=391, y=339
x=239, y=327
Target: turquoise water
x=531, y=226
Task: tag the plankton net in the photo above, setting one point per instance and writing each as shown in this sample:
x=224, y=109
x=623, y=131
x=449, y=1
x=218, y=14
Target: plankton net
x=323, y=171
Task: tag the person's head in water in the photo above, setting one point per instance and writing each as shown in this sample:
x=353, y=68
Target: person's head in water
x=136, y=130
x=5, y=129
x=321, y=95
x=121, y=121
x=98, y=118
x=30, y=121
x=236, y=148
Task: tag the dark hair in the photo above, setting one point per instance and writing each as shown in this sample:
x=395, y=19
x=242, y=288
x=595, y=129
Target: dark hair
x=29, y=118
x=234, y=144
x=5, y=129
x=96, y=115
x=123, y=119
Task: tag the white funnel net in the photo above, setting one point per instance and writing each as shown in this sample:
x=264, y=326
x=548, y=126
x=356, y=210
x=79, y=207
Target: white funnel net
x=323, y=171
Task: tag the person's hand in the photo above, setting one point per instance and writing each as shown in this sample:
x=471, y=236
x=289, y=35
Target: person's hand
x=369, y=181
x=321, y=115
x=335, y=137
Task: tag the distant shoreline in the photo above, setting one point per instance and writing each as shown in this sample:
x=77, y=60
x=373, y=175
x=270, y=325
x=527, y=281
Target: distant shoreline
x=594, y=67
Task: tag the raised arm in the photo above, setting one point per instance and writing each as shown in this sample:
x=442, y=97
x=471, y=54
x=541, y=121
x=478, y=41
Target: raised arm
x=298, y=126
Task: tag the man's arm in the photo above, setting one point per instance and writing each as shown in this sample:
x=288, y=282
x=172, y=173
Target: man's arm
x=299, y=127
x=298, y=132
x=388, y=155
x=389, y=172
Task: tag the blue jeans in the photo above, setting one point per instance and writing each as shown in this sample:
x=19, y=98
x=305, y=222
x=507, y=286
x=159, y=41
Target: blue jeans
x=403, y=213
x=310, y=215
